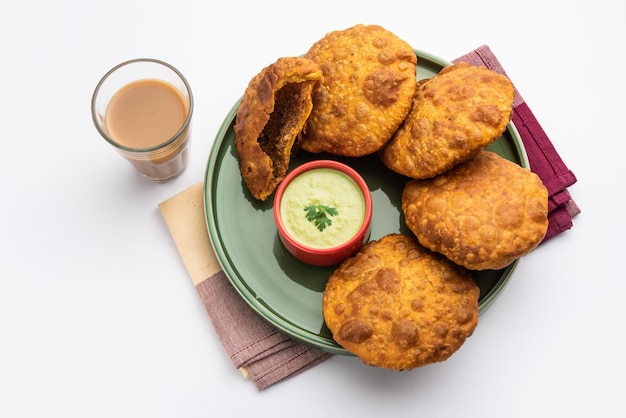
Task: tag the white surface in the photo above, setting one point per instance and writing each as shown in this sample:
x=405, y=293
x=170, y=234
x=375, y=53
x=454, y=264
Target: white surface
x=97, y=315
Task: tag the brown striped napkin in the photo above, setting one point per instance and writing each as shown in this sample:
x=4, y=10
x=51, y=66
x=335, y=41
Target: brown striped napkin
x=266, y=356
x=263, y=355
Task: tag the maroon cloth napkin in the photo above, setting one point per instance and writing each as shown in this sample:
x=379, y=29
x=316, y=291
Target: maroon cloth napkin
x=542, y=156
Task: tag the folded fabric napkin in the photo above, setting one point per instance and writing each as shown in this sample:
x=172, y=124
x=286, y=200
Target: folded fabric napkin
x=257, y=349
x=261, y=353
x=543, y=158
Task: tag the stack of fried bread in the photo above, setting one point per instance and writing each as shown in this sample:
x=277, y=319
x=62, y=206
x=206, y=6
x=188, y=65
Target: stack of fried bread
x=405, y=300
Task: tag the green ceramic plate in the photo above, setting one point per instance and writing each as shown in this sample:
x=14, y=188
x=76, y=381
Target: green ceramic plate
x=285, y=291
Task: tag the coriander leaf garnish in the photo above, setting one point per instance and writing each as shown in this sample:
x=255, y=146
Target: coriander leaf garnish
x=318, y=214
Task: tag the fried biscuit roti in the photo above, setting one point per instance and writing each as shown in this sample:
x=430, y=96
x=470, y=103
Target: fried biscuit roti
x=270, y=117
x=366, y=92
x=399, y=306
x=454, y=115
x=483, y=214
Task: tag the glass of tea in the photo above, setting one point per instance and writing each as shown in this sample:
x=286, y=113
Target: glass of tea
x=143, y=108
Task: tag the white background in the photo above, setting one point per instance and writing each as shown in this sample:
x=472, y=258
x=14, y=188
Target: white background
x=97, y=315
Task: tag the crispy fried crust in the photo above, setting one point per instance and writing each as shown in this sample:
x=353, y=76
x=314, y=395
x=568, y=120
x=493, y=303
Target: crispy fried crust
x=269, y=119
x=397, y=305
x=367, y=89
x=483, y=214
x=454, y=115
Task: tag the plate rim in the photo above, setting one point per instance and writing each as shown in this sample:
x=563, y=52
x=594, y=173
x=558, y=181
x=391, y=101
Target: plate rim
x=276, y=320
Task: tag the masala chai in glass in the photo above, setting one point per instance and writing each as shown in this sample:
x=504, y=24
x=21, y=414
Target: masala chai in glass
x=143, y=108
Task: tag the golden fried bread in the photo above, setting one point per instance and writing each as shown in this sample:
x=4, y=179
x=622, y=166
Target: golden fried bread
x=454, y=115
x=397, y=305
x=366, y=92
x=482, y=214
x=269, y=119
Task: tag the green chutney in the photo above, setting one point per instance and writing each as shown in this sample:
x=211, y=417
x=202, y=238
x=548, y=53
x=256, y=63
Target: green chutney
x=322, y=208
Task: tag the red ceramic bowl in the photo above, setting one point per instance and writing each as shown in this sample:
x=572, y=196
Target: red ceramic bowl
x=323, y=212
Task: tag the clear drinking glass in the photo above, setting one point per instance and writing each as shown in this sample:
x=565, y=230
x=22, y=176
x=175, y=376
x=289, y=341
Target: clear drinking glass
x=162, y=152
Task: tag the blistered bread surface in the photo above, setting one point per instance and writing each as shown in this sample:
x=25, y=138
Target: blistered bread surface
x=397, y=305
x=483, y=214
x=366, y=92
x=269, y=119
x=454, y=115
